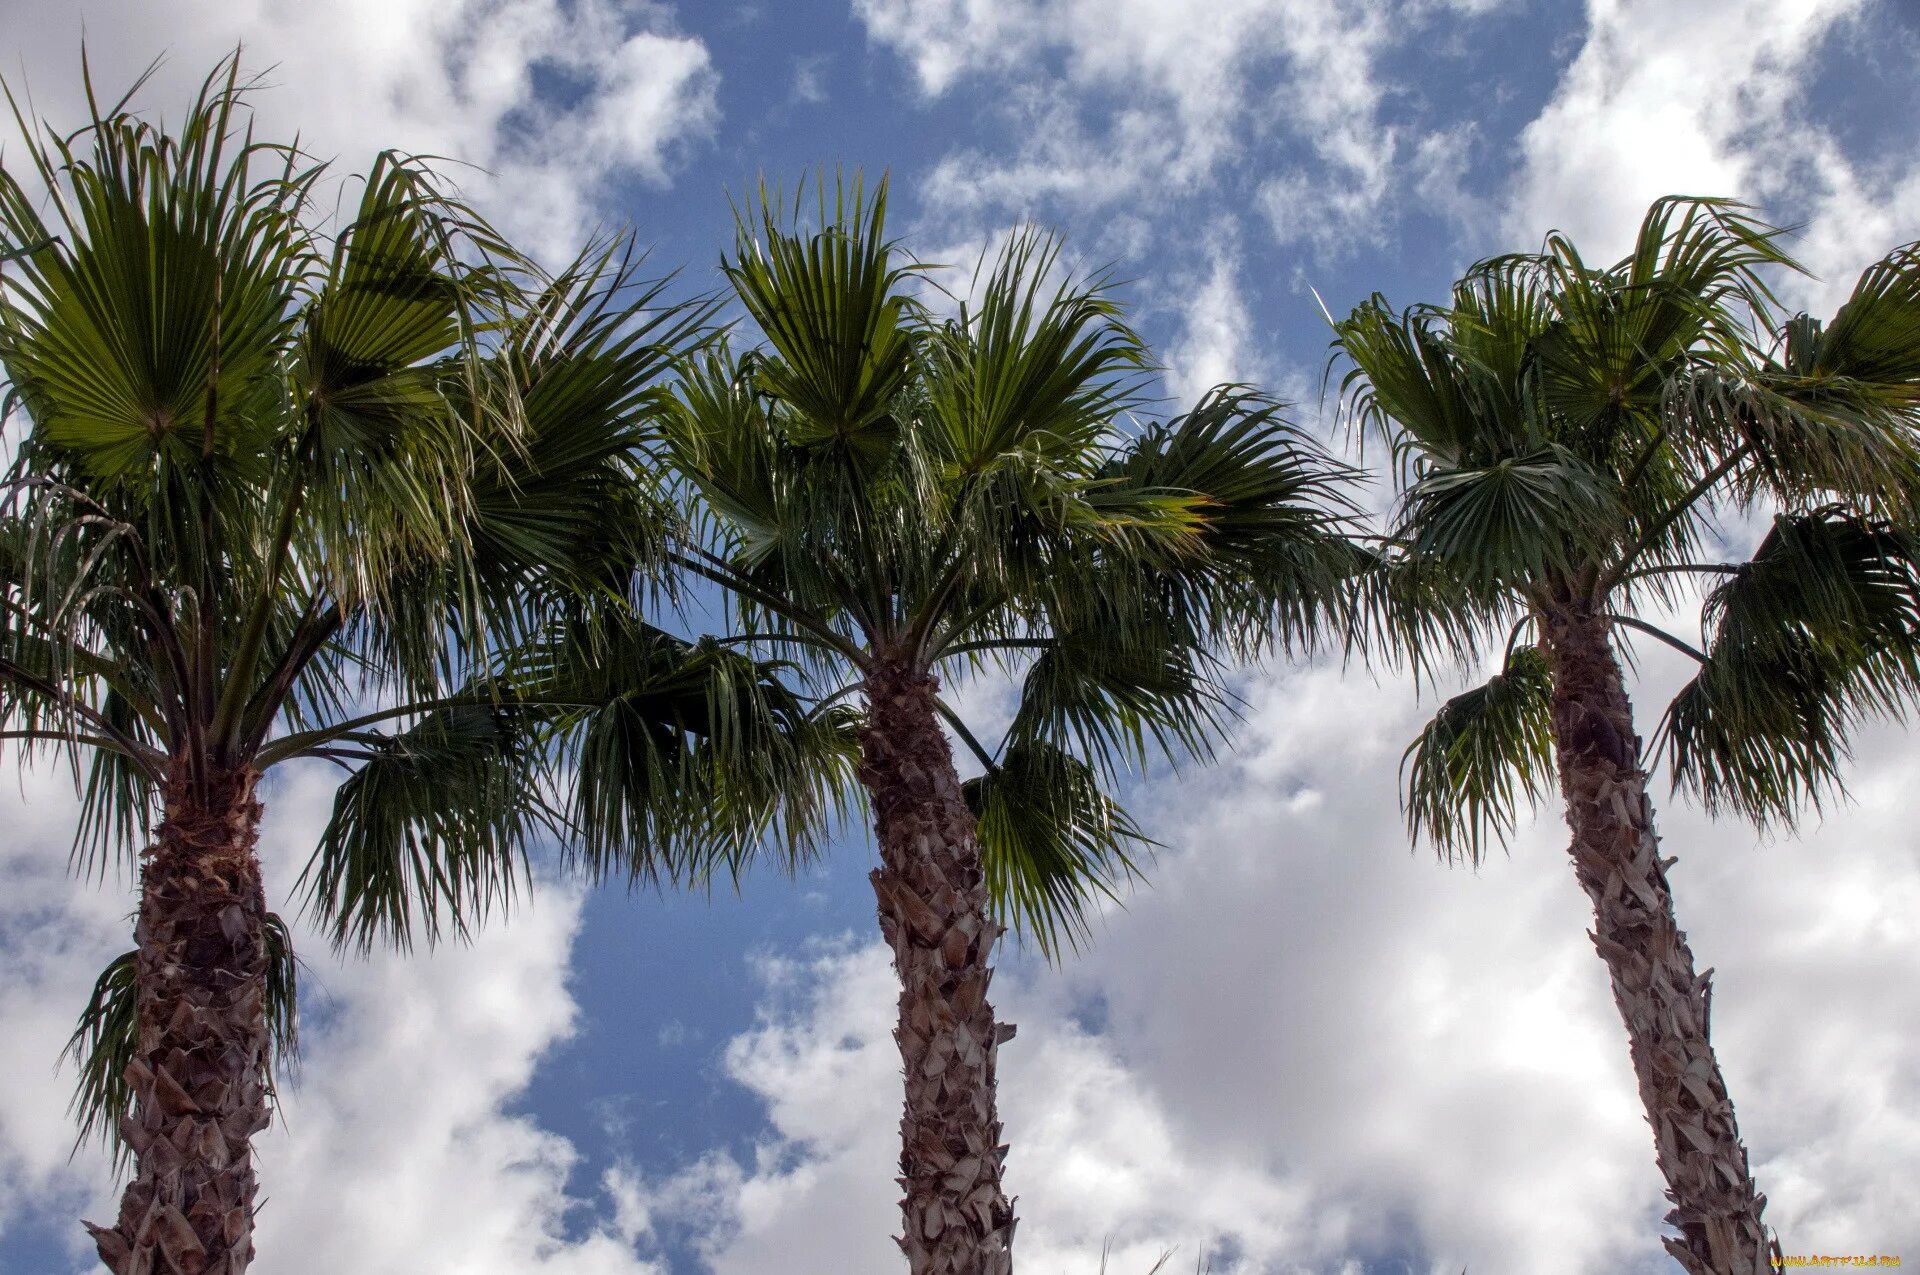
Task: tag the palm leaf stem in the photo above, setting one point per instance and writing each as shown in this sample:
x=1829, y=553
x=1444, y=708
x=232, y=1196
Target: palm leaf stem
x=66, y=737
x=1614, y=574
x=936, y=646
x=966, y=736
x=1645, y=458
x=997, y=644
x=795, y=616
x=828, y=701
x=298, y=743
x=1513, y=639
x=1664, y=636
x=253, y=637
x=309, y=637
x=149, y=760
x=1682, y=568
x=919, y=643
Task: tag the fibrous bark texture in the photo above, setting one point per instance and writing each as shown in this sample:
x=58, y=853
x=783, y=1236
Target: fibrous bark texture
x=933, y=912
x=1663, y=1002
x=198, y=1076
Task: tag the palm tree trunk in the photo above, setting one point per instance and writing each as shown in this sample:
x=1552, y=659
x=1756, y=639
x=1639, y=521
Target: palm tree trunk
x=1663, y=1002
x=933, y=912
x=198, y=1075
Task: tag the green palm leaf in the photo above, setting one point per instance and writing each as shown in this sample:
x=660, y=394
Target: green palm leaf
x=427, y=833
x=830, y=306
x=1817, y=633
x=1054, y=844
x=1486, y=756
x=1036, y=370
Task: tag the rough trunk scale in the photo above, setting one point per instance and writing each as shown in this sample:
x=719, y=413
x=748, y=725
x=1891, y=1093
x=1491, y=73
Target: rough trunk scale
x=198, y=1076
x=932, y=896
x=1662, y=1001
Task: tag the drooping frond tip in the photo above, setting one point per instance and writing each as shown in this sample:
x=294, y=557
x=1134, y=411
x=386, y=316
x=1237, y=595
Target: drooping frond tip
x=1485, y=756
x=1817, y=634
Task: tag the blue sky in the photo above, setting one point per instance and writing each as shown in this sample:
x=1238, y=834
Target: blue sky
x=1303, y=1048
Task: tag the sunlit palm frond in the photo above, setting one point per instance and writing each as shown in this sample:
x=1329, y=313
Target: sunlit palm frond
x=831, y=306
x=1873, y=340
x=148, y=324
x=389, y=449
x=719, y=439
x=1264, y=558
x=1035, y=372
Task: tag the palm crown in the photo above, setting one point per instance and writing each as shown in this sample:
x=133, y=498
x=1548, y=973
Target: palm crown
x=881, y=485
x=1570, y=435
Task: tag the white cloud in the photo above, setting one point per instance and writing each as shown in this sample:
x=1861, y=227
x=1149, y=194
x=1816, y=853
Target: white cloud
x=1711, y=99
x=624, y=92
x=397, y=1148
x=55, y=938
x=810, y=80
x=945, y=39
x=1306, y=1048
x=1112, y=102
x=1217, y=343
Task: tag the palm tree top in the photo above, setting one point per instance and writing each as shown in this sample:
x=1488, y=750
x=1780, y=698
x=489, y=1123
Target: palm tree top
x=880, y=482
x=1565, y=435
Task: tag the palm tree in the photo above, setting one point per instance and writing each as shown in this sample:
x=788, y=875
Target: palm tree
x=1563, y=438
x=886, y=496
x=288, y=493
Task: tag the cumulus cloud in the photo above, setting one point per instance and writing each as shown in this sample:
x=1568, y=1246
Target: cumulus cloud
x=1667, y=99
x=551, y=101
x=1307, y=1049
x=397, y=1146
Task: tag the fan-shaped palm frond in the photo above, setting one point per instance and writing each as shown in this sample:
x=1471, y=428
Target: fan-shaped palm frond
x=1036, y=372
x=833, y=312
x=1519, y=519
x=1264, y=555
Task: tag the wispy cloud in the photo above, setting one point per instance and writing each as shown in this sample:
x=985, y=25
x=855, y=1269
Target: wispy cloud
x=1146, y=101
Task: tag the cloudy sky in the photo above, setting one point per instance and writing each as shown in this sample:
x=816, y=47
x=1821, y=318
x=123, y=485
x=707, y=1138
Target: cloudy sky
x=1304, y=1048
